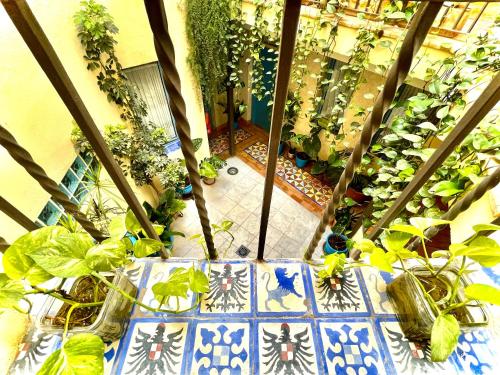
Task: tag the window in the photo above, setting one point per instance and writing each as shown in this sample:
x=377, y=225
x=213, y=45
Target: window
x=72, y=186
x=151, y=88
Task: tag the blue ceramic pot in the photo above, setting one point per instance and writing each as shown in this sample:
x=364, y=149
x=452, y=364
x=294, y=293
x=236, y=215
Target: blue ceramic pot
x=188, y=189
x=301, y=159
x=235, y=125
x=328, y=249
x=281, y=148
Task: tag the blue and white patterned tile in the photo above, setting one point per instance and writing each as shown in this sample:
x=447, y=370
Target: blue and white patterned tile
x=349, y=346
x=476, y=353
x=38, y=346
x=154, y=347
x=286, y=347
x=281, y=290
x=134, y=272
x=110, y=356
x=408, y=357
x=230, y=290
x=376, y=288
x=160, y=272
x=221, y=348
x=339, y=295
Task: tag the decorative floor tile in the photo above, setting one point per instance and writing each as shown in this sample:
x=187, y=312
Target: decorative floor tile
x=406, y=356
x=230, y=290
x=298, y=178
x=286, y=347
x=37, y=348
x=221, y=348
x=280, y=289
x=110, y=356
x=220, y=143
x=160, y=272
x=477, y=353
x=154, y=347
x=337, y=296
x=134, y=272
x=376, y=284
x=350, y=347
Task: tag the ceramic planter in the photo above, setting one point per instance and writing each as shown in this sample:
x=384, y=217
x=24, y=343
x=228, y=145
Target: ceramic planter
x=110, y=322
x=209, y=181
x=281, y=148
x=336, y=243
x=301, y=159
x=416, y=313
x=357, y=196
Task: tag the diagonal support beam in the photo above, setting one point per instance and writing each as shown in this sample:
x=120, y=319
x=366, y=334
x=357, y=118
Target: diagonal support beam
x=415, y=36
x=17, y=215
x=488, y=99
x=32, y=33
x=166, y=56
x=23, y=157
x=290, y=23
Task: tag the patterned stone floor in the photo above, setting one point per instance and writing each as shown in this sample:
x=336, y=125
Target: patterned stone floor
x=298, y=178
x=220, y=143
x=275, y=318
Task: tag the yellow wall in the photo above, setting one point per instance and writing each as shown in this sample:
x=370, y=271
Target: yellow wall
x=31, y=109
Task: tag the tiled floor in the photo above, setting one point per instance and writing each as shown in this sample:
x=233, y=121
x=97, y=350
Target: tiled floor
x=274, y=318
x=301, y=180
x=220, y=143
x=239, y=199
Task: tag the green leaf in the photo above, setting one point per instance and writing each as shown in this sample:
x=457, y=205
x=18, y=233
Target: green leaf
x=440, y=254
x=117, y=228
x=381, y=260
x=427, y=125
x=18, y=265
x=484, y=227
x=198, y=281
x=146, y=246
x=446, y=188
x=107, y=256
x=412, y=137
x=396, y=241
x=423, y=223
x=158, y=228
x=82, y=354
x=64, y=256
x=442, y=112
x=226, y=224
x=407, y=229
x=483, y=250
x=366, y=245
x=11, y=291
x=444, y=337
x=483, y=292
x=131, y=223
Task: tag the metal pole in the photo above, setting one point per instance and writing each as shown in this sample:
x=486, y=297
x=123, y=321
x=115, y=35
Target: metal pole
x=230, y=118
x=415, y=36
x=467, y=123
x=462, y=205
x=32, y=33
x=166, y=56
x=23, y=157
x=4, y=245
x=17, y=215
x=290, y=23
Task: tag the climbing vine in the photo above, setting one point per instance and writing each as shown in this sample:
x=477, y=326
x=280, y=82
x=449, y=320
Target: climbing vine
x=145, y=156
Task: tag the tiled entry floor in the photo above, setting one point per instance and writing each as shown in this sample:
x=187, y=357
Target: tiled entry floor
x=274, y=318
x=239, y=198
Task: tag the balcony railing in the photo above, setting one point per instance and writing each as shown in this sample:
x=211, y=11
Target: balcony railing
x=454, y=19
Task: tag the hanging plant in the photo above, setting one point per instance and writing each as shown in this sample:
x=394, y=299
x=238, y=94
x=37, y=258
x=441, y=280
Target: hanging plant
x=430, y=116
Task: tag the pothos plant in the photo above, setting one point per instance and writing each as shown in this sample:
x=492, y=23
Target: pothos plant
x=54, y=254
x=428, y=117
x=459, y=259
x=145, y=157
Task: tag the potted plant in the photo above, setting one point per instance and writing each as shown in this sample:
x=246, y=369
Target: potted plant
x=433, y=297
x=337, y=241
x=97, y=305
x=209, y=168
x=168, y=208
x=239, y=110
